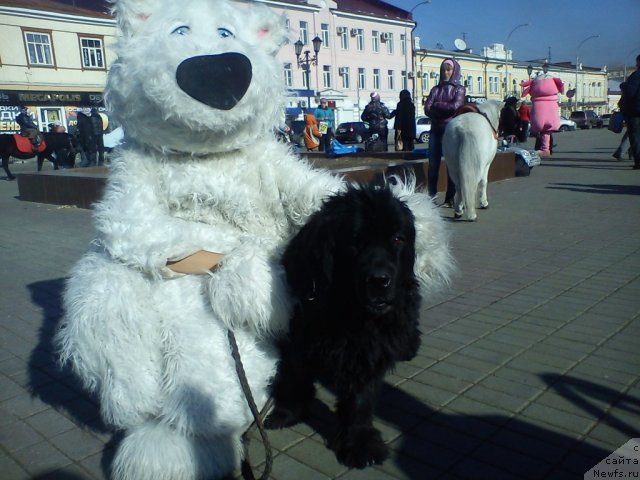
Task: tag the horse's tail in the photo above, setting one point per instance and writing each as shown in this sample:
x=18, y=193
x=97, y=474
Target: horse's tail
x=463, y=151
x=469, y=169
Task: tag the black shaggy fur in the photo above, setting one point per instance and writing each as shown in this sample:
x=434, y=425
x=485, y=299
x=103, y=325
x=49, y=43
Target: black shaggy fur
x=351, y=269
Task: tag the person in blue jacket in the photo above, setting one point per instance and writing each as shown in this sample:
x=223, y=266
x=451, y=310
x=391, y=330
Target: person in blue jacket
x=325, y=114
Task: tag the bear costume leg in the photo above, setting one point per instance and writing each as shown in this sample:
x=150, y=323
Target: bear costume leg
x=156, y=451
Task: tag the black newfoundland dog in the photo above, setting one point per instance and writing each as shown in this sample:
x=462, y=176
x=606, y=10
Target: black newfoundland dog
x=351, y=269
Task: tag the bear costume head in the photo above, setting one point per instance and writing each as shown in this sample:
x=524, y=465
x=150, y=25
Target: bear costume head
x=208, y=64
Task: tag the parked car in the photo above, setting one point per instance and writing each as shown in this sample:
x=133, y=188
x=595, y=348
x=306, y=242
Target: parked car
x=423, y=127
x=352, y=132
x=566, y=124
x=605, y=120
x=586, y=119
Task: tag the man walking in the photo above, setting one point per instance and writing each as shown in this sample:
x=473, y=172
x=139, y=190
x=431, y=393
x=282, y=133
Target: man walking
x=630, y=107
x=97, y=130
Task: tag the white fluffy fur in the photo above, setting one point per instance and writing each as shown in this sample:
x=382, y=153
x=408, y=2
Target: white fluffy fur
x=469, y=146
x=152, y=344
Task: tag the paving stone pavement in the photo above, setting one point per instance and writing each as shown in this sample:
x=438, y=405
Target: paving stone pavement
x=529, y=362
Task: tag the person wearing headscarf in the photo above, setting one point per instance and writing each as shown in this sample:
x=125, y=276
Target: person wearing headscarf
x=405, y=120
x=376, y=114
x=441, y=105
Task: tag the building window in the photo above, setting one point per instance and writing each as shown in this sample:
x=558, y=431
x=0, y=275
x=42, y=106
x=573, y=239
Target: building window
x=405, y=81
x=469, y=84
x=494, y=85
x=304, y=32
x=326, y=76
x=403, y=44
x=324, y=34
x=344, y=38
x=390, y=80
x=480, y=84
x=375, y=41
x=360, y=39
x=389, y=43
x=92, y=52
x=345, y=74
x=362, y=79
x=39, y=49
x=376, y=79
x=288, y=75
x=425, y=82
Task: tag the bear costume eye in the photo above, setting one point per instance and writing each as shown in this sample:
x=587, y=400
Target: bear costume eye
x=225, y=33
x=181, y=30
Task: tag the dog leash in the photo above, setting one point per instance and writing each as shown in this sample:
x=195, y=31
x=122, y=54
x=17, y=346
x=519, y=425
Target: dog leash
x=245, y=468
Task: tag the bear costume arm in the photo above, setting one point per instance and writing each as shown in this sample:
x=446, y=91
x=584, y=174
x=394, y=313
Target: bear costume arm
x=136, y=227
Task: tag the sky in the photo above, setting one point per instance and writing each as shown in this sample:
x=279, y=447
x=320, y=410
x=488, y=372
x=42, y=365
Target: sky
x=561, y=25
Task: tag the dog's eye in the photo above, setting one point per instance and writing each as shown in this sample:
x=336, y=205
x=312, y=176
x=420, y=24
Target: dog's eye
x=181, y=30
x=225, y=33
x=399, y=240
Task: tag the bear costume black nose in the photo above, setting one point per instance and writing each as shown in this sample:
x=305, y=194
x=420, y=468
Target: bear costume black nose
x=219, y=81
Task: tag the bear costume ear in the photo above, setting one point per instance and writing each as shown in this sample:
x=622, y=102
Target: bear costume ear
x=268, y=29
x=130, y=14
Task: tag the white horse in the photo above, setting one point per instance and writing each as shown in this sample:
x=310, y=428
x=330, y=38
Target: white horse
x=469, y=145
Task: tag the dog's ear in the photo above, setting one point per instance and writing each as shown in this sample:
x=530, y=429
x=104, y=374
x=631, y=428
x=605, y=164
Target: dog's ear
x=309, y=258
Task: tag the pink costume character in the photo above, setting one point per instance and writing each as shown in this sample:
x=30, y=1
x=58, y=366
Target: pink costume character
x=545, y=117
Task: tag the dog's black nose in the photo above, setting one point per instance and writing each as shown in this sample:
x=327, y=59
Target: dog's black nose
x=219, y=81
x=379, y=280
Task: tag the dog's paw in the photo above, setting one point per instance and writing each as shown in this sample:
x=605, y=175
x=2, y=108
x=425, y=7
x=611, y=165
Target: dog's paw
x=361, y=448
x=281, y=417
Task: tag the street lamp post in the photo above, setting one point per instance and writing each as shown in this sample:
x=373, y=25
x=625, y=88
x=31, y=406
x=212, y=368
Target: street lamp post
x=577, y=59
x=406, y=51
x=506, y=56
x=306, y=62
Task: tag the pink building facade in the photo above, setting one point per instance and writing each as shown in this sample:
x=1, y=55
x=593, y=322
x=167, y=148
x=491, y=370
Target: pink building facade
x=366, y=46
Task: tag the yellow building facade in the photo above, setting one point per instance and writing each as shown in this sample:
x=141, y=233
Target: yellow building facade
x=484, y=78
x=52, y=61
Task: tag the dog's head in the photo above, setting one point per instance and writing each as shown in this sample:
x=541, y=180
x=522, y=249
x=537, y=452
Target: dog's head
x=196, y=75
x=358, y=249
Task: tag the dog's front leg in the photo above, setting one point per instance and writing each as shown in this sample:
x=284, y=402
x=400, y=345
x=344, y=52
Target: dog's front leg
x=358, y=444
x=292, y=389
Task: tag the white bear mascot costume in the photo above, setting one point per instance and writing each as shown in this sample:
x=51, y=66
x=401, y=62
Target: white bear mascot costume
x=198, y=91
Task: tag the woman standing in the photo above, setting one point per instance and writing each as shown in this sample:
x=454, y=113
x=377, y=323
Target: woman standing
x=405, y=121
x=441, y=105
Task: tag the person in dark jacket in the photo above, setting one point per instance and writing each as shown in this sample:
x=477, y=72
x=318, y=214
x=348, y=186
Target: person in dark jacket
x=86, y=143
x=630, y=107
x=442, y=103
x=28, y=127
x=509, y=120
x=376, y=114
x=405, y=120
x=97, y=131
